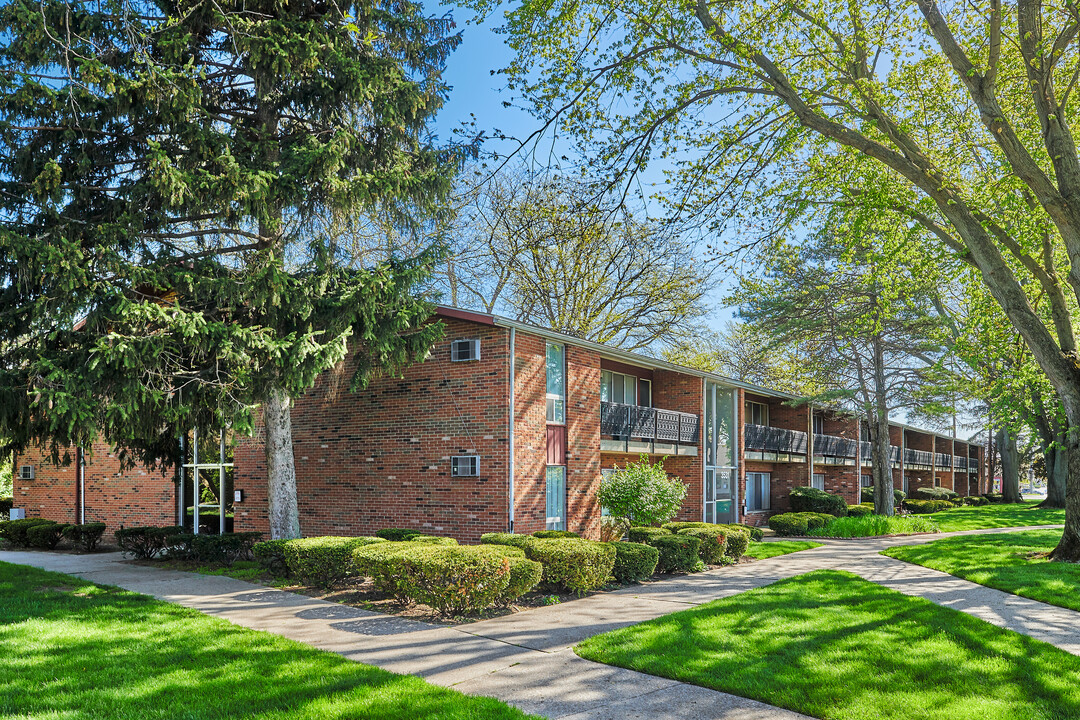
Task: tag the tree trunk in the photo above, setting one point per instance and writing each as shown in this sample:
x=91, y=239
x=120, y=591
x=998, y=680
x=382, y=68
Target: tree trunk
x=280, y=466
x=1010, y=466
x=882, y=467
x=1056, y=474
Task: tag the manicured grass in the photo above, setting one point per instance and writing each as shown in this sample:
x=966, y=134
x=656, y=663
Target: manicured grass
x=763, y=550
x=992, y=516
x=1003, y=562
x=872, y=525
x=72, y=649
x=832, y=645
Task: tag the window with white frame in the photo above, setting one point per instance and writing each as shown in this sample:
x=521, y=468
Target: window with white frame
x=555, y=366
x=817, y=480
x=757, y=413
x=758, y=488
x=866, y=480
x=819, y=424
x=618, y=388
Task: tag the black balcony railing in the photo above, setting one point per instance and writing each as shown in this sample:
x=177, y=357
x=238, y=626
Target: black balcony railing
x=918, y=457
x=943, y=461
x=646, y=423
x=835, y=446
x=960, y=463
x=865, y=451
x=772, y=439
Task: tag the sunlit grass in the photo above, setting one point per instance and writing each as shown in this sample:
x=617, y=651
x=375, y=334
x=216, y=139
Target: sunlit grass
x=1001, y=515
x=871, y=525
x=832, y=645
x=763, y=550
x=70, y=649
x=1007, y=561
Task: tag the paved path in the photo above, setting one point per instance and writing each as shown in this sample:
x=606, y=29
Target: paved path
x=525, y=658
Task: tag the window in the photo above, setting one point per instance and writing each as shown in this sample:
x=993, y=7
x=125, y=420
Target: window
x=937, y=482
x=556, y=383
x=465, y=350
x=819, y=424
x=757, y=491
x=866, y=480
x=757, y=413
x=618, y=388
x=464, y=466
x=26, y=472
x=556, y=497
x=817, y=480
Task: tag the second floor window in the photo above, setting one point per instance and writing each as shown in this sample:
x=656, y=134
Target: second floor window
x=819, y=424
x=618, y=388
x=555, y=366
x=757, y=413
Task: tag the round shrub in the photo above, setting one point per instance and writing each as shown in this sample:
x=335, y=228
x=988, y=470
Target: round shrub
x=677, y=553
x=550, y=534
x=145, y=543
x=925, y=507
x=271, y=556
x=738, y=540
x=713, y=543
x=452, y=580
x=433, y=540
x=86, y=536
x=642, y=534
x=224, y=549
x=576, y=566
x=634, y=561
x=397, y=534
x=866, y=495
x=381, y=563
x=992, y=497
x=511, y=539
x=323, y=561
x=45, y=536
x=816, y=521
x=676, y=526
x=808, y=499
x=787, y=524
x=935, y=493
x=642, y=491
x=524, y=574
x=859, y=510
x=14, y=531
x=975, y=500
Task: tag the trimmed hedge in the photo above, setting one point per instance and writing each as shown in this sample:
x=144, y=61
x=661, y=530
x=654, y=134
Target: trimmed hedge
x=511, y=539
x=85, y=536
x=676, y=526
x=738, y=539
x=812, y=500
x=677, y=553
x=859, y=510
x=45, y=536
x=224, y=549
x=14, y=531
x=713, y=543
x=271, y=556
x=573, y=565
x=397, y=534
x=146, y=542
x=866, y=495
x=642, y=534
x=788, y=524
x=816, y=521
x=935, y=493
x=554, y=534
x=323, y=561
x=993, y=497
x=433, y=540
x=634, y=561
x=974, y=500
x=525, y=574
x=925, y=507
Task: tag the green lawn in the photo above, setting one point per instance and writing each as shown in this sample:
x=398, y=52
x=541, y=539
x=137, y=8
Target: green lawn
x=71, y=649
x=992, y=516
x=832, y=645
x=1002, y=562
x=763, y=550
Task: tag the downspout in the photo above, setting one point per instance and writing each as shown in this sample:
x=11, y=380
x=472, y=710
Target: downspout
x=510, y=464
x=82, y=486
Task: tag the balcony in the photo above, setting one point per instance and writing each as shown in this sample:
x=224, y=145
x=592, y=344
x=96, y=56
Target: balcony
x=960, y=463
x=773, y=444
x=919, y=459
x=865, y=451
x=835, y=446
x=943, y=461
x=637, y=429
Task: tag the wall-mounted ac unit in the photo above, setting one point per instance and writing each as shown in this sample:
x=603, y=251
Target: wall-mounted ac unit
x=464, y=465
x=465, y=350
x=26, y=472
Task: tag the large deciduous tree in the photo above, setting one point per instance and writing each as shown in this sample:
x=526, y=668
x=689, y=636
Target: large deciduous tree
x=162, y=169
x=960, y=118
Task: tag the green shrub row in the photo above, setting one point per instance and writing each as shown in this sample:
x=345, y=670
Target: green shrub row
x=223, y=549
x=993, y=497
x=935, y=493
x=737, y=537
x=634, y=562
x=15, y=531
x=859, y=510
x=146, y=542
x=270, y=555
x=788, y=524
x=812, y=500
x=677, y=553
x=713, y=543
x=571, y=564
x=974, y=500
x=397, y=534
x=925, y=507
x=323, y=561
x=866, y=495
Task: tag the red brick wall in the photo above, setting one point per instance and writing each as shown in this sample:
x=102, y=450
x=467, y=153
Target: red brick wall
x=685, y=393
x=583, y=442
x=381, y=457
x=842, y=480
x=530, y=434
x=919, y=478
x=116, y=497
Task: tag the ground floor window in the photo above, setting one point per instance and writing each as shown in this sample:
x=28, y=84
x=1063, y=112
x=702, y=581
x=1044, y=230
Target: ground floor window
x=866, y=480
x=205, y=490
x=817, y=480
x=556, y=497
x=758, y=487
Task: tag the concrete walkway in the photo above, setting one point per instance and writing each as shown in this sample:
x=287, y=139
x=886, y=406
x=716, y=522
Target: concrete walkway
x=525, y=658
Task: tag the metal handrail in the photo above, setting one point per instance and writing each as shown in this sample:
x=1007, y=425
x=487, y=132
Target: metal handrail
x=647, y=423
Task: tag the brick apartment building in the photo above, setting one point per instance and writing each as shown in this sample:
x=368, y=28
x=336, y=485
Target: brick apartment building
x=505, y=426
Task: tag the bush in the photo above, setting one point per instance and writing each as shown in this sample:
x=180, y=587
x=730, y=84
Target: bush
x=713, y=543
x=524, y=574
x=550, y=534
x=676, y=553
x=675, y=527
x=86, y=536
x=612, y=528
x=452, y=580
x=433, y=540
x=381, y=563
x=642, y=534
x=14, y=531
x=808, y=499
x=271, y=556
x=573, y=565
x=859, y=510
x=975, y=500
x=935, y=493
x=925, y=507
x=993, y=497
x=871, y=525
x=816, y=521
x=643, y=492
x=145, y=543
x=323, y=561
x=224, y=549
x=397, y=534
x=787, y=524
x=511, y=539
x=45, y=536
x=633, y=561
x=867, y=496
x=738, y=539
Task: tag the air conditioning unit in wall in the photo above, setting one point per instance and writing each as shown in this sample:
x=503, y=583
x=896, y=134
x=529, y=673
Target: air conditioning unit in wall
x=26, y=472
x=464, y=466
x=465, y=350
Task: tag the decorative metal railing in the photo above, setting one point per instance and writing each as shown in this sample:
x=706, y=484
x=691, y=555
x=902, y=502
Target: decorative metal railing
x=835, y=446
x=646, y=423
x=772, y=439
x=942, y=460
x=918, y=457
x=865, y=450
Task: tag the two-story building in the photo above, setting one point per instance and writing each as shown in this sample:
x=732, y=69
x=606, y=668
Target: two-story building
x=505, y=426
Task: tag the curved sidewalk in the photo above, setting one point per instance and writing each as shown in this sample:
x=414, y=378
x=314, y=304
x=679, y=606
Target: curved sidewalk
x=525, y=658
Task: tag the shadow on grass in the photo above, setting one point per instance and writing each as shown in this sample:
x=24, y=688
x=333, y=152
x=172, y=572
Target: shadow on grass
x=832, y=645
x=993, y=516
x=71, y=649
